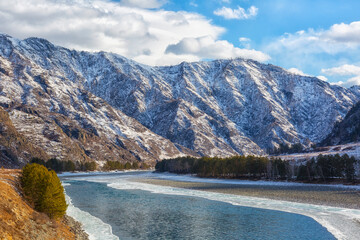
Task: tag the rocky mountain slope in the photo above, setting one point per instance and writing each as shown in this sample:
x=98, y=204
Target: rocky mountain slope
x=347, y=130
x=13, y=145
x=81, y=105
x=57, y=114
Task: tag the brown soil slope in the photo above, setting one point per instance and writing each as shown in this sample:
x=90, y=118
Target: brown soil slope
x=18, y=220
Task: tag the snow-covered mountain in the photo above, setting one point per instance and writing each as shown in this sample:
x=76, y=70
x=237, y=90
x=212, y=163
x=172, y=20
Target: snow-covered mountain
x=56, y=113
x=113, y=107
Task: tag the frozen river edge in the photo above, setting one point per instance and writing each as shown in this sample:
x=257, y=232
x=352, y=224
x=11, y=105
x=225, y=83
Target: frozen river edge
x=343, y=223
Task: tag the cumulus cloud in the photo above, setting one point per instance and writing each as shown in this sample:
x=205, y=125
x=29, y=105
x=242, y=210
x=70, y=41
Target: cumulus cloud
x=297, y=71
x=345, y=70
x=124, y=27
x=144, y=4
x=348, y=83
x=338, y=44
x=338, y=38
x=239, y=13
x=322, y=78
x=352, y=81
x=245, y=42
x=346, y=33
x=208, y=47
x=244, y=39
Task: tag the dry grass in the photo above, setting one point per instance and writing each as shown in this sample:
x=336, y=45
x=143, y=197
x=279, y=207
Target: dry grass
x=18, y=220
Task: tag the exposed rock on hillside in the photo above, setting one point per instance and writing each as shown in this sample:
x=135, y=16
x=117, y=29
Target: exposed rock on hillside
x=65, y=120
x=15, y=149
x=82, y=105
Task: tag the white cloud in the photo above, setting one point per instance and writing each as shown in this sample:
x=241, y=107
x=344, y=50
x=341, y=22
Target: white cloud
x=345, y=70
x=244, y=39
x=338, y=44
x=322, y=78
x=134, y=32
x=339, y=38
x=348, y=83
x=346, y=33
x=193, y=3
x=144, y=4
x=353, y=81
x=297, y=71
x=245, y=42
x=208, y=47
x=239, y=13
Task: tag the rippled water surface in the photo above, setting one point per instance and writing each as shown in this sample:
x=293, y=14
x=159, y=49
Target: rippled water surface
x=138, y=214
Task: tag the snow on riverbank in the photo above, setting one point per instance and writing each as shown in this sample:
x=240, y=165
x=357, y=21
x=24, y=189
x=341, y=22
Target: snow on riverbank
x=93, y=226
x=192, y=178
x=341, y=222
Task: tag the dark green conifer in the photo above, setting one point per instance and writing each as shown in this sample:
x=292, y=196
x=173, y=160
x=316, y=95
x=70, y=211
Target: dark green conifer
x=43, y=190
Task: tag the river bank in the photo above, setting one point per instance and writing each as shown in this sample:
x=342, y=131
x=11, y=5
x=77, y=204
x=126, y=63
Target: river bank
x=330, y=195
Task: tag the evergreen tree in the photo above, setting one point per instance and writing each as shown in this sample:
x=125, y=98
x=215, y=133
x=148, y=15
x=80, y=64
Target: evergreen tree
x=127, y=165
x=349, y=167
x=43, y=190
x=54, y=164
x=69, y=166
x=38, y=161
x=135, y=165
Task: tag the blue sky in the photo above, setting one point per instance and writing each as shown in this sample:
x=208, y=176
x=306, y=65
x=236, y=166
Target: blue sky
x=276, y=18
x=317, y=38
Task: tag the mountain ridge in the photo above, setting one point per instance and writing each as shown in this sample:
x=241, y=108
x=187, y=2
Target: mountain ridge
x=220, y=107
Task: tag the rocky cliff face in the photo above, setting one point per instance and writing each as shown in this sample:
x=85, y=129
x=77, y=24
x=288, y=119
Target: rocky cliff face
x=104, y=106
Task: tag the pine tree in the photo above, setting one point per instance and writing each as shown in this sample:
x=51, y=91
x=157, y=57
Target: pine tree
x=127, y=165
x=53, y=201
x=135, y=165
x=43, y=190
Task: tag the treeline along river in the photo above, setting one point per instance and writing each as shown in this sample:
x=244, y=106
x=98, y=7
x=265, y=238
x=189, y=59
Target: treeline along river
x=321, y=168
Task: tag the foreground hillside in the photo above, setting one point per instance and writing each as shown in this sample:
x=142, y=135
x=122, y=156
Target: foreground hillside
x=19, y=221
x=83, y=106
